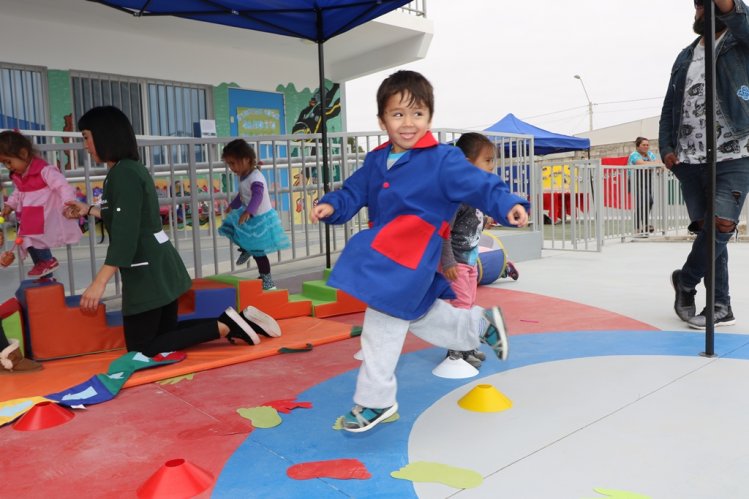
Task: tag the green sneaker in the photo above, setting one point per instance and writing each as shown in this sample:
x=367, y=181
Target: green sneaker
x=363, y=418
x=495, y=334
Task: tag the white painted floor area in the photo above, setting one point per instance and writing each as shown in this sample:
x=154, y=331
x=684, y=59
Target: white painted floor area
x=663, y=427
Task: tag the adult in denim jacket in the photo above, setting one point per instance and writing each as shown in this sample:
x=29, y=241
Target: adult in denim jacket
x=683, y=150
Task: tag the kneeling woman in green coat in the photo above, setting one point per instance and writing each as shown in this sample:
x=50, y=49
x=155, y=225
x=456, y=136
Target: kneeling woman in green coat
x=153, y=274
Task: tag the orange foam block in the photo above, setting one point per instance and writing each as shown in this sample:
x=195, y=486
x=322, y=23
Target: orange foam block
x=274, y=303
x=344, y=304
x=58, y=330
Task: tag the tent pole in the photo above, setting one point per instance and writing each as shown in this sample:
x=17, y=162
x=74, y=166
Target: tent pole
x=324, y=131
x=709, y=226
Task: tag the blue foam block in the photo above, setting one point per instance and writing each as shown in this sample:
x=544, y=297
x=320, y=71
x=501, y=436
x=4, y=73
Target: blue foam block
x=211, y=303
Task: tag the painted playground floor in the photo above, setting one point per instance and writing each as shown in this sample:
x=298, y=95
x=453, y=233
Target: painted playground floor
x=610, y=398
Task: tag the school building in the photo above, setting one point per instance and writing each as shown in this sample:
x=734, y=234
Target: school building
x=62, y=57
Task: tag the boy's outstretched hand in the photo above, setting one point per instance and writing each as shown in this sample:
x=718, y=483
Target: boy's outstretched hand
x=518, y=216
x=322, y=210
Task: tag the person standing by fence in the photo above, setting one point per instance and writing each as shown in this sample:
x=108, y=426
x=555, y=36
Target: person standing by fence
x=682, y=142
x=641, y=185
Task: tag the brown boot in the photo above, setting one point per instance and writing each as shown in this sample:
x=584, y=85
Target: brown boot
x=12, y=360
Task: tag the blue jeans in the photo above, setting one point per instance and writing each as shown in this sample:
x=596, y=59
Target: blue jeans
x=732, y=183
x=40, y=255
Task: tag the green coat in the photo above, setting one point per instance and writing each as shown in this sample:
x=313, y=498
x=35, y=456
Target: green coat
x=152, y=271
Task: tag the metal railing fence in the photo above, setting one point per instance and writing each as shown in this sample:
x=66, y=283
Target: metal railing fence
x=584, y=203
x=194, y=186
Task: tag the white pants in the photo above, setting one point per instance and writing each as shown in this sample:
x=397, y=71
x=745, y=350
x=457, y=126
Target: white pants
x=382, y=341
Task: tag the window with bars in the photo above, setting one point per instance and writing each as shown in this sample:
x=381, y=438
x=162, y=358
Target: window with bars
x=100, y=90
x=23, y=97
x=154, y=107
x=174, y=111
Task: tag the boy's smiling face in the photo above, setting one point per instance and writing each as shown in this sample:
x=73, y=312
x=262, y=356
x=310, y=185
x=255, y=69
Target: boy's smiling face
x=404, y=121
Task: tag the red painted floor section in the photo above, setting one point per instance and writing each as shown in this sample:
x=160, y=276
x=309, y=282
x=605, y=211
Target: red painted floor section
x=109, y=450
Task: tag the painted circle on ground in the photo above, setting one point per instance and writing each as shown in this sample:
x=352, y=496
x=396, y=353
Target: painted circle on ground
x=565, y=387
x=644, y=424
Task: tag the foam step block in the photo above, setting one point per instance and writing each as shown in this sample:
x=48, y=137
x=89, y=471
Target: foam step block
x=328, y=301
x=318, y=290
x=21, y=297
x=344, y=304
x=275, y=303
x=206, y=299
x=58, y=328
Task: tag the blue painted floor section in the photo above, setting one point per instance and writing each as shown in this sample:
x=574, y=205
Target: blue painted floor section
x=258, y=468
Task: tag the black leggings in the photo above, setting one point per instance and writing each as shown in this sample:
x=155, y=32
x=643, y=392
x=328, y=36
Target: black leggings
x=157, y=330
x=263, y=264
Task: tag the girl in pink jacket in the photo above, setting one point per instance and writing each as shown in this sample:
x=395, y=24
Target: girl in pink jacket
x=39, y=195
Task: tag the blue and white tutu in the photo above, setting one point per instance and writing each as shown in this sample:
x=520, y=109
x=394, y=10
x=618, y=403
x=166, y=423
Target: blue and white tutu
x=260, y=235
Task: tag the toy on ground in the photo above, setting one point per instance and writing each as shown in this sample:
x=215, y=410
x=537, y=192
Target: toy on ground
x=8, y=257
x=492, y=259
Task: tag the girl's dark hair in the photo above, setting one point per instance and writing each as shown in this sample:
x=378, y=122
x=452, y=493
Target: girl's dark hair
x=639, y=140
x=409, y=83
x=240, y=149
x=112, y=132
x=12, y=143
x=472, y=143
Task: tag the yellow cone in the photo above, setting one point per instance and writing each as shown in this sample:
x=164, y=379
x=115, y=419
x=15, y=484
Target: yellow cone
x=485, y=398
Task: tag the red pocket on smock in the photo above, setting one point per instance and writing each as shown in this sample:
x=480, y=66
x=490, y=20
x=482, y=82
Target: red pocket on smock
x=32, y=221
x=404, y=240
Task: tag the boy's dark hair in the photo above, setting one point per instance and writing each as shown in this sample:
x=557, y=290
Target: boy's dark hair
x=639, y=141
x=12, y=143
x=409, y=83
x=472, y=143
x=240, y=149
x=112, y=132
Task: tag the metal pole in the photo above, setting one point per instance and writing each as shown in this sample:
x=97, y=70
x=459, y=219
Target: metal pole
x=709, y=36
x=590, y=104
x=323, y=129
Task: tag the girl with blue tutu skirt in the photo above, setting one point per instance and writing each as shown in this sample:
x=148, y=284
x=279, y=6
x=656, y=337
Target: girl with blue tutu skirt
x=252, y=223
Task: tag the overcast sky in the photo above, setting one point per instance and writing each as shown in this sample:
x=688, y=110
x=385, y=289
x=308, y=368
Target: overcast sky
x=493, y=57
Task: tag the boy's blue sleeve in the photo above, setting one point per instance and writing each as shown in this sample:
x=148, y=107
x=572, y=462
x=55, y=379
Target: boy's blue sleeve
x=351, y=198
x=464, y=182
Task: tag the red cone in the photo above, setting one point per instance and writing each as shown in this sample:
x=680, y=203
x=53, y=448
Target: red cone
x=177, y=478
x=42, y=416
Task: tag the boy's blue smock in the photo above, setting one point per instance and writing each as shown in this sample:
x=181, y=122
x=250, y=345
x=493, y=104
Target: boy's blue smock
x=392, y=267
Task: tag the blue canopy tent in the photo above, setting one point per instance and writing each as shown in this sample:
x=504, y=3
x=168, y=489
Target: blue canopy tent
x=545, y=142
x=314, y=20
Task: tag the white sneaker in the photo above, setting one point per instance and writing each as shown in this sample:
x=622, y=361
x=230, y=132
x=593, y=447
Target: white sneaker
x=261, y=322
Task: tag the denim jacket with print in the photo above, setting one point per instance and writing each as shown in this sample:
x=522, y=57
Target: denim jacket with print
x=732, y=81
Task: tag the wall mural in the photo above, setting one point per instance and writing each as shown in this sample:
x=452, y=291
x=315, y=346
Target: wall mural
x=304, y=116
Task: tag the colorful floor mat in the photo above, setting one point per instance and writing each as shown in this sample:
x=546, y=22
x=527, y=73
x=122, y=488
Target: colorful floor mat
x=59, y=375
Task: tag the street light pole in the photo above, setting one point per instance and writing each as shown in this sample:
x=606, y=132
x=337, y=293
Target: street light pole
x=590, y=104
